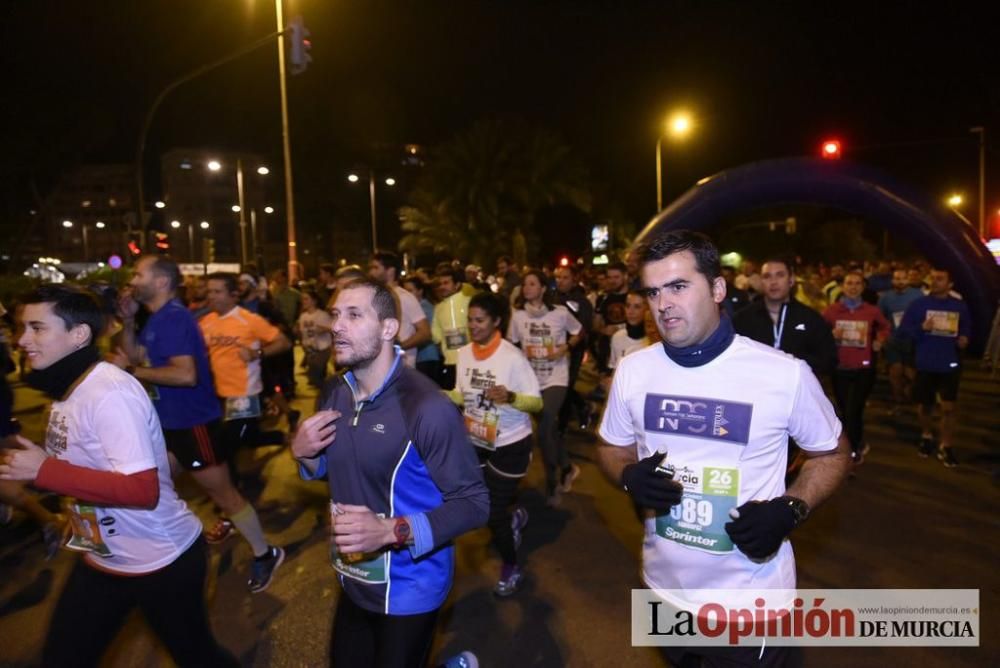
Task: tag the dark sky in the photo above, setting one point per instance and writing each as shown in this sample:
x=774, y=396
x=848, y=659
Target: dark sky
x=900, y=86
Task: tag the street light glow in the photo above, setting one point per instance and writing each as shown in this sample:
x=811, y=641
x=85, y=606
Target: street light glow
x=159, y=205
x=263, y=171
x=67, y=223
x=268, y=209
x=175, y=224
x=390, y=181
x=236, y=208
x=353, y=178
x=955, y=200
x=679, y=124
x=214, y=165
x=100, y=225
x=204, y=225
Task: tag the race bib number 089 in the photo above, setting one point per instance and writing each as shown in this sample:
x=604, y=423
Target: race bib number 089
x=698, y=521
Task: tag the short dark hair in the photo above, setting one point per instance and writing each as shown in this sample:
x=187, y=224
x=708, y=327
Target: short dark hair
x=617, y=266
x=495, y=307
x=165, y=267
x=328, y=268
x=706, y=255
x=383, y=298
x=789, y=265
x=73, y=306
x=445, y=269
x=546, y=293
x=418, y=282
x=389, y=260
x=231, y=281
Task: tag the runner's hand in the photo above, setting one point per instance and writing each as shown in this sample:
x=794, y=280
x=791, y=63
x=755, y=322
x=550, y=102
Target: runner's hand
x=497, y=394
x=358, y=529
x=23, y=461
x=759, y=527
x=649, y=488
x=315, y=433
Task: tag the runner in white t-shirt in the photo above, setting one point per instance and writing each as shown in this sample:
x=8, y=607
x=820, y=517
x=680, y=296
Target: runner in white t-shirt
x=104, y=448
x=546, y=333
x=639, y=332
x=497, y=389
x=714, y=411
x=313, y=329
x=414, y=329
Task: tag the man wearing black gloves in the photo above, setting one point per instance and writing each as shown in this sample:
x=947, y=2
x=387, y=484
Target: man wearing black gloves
x=696, y=431
x=781, y=321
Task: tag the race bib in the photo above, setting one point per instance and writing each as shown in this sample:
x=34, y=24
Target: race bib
x=851, y=333
x=367, y=567
x=943, y=323
x=455, y=338
x=698, y=521
x=86, y=530
x=238, y=408
x=482, y=420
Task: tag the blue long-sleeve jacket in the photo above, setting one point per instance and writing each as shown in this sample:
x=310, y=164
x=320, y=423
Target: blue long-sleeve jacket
x=404, y=451
x=936, y=351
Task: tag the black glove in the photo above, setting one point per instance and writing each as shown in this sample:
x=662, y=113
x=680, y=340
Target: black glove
x=761, y=526
x=649, y=488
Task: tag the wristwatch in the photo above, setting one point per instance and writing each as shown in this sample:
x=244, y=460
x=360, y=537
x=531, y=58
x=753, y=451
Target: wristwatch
x=799, y=508
x=401, y=530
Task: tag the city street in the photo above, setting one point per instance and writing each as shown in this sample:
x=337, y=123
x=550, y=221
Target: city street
x=901, y=522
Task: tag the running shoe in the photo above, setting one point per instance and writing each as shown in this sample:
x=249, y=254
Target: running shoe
x=464, y=660
x=926, y=448
x=222, y=530
x=946, y=456
x=519, y=519
x=510, y=580
x=567, y=478
x=262, y=569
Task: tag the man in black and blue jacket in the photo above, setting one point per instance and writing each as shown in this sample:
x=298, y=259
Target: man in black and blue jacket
x=404, y=482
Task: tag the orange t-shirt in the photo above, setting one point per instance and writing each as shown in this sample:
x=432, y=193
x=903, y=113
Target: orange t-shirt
x=224, y=336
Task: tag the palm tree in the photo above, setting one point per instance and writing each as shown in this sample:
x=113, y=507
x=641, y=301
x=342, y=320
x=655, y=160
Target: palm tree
x=485, y=185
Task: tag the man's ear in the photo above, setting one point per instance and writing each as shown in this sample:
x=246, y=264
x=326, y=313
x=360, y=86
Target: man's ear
x=718, y=289
x=390, y=328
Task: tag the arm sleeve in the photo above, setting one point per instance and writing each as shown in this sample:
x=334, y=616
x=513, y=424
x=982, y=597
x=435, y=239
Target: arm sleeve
x=514, y=329
x=453, y=466
x=573, y=325
x=883, y=327
x=824, y=357
x=410, y=307
x=964, y=320
x=123, y=429
x=262, y=329
x=616, y=423
x=437, y=334
x=910, y=327
x=182, y=341
x=812, y=423
x=108, y=488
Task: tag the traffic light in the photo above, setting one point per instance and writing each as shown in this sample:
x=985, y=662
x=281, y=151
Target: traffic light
x=133, y=247
x=208, y=250
x=162, y=243
x=300, y=46
x=830, y=150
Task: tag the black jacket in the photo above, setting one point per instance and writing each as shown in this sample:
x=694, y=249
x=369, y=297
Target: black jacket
x=805, y=334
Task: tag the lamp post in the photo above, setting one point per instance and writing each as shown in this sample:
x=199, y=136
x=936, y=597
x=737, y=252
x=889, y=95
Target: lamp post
x=389, y=181
x=677, y=126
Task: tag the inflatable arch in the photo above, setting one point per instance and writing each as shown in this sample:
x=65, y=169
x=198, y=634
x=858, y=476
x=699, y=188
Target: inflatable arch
x=940, y=234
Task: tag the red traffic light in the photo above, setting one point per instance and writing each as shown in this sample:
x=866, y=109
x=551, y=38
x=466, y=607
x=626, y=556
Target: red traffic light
x=830, y=149
x=133, y=248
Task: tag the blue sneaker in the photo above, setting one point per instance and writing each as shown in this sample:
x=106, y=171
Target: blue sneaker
x=464, y=660
x=262, y=569
x=518, y=521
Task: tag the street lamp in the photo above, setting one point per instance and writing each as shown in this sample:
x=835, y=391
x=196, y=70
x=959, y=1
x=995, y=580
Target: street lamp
x=268, y=209
x=100, y=225
x=214, y=165
x=67, y=224
x=159, y=204
x=176, y=224
x=389, y=181
x=204, y=225
x=677, y=126
x=955, y=200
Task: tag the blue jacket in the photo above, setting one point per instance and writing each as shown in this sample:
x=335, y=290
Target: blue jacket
x=404, y=451
x=936, y=351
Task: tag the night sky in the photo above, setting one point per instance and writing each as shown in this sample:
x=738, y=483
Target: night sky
x=900, y=87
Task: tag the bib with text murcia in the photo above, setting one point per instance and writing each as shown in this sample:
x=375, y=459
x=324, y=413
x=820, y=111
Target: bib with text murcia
x=482, y=419
x=698, y=521
x=851, y=333
x=943, y=323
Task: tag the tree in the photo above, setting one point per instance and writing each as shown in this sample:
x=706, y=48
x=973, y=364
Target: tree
x=487, y=184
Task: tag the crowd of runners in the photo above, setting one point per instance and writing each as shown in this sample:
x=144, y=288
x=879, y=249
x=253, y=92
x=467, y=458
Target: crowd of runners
x=434, y=387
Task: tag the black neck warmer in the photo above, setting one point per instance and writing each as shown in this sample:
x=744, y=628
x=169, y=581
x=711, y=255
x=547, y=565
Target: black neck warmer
x=55, y=380
x=635, y=331
x=706, y=351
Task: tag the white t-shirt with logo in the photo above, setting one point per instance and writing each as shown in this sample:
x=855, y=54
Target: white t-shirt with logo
x=539, y=335
x=622, y=344
x=495, y=425
x=725, y=428
x=410, y=314
x=109, y=424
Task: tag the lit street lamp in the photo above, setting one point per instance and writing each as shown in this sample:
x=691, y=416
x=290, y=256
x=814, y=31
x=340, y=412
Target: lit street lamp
x=389, y=181
x=954, y=200
x=678, y=126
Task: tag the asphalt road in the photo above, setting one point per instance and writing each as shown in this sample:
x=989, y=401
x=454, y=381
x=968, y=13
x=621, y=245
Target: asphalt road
x=900, y=522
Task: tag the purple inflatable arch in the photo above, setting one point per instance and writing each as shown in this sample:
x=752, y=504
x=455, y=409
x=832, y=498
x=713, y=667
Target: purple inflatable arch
x=937, y=232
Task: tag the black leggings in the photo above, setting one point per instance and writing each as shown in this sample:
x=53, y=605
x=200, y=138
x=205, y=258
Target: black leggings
x=371, y=639
x=503, y=469
x=94, y=604
x=851, y=388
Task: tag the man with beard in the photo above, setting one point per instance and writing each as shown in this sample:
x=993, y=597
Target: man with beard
x=609, y=311
x=414, y=330
x=404, y=482
x=169, y=356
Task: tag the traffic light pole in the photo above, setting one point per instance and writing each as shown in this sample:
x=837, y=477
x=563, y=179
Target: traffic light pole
x=147, y=122
x=293, y=262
